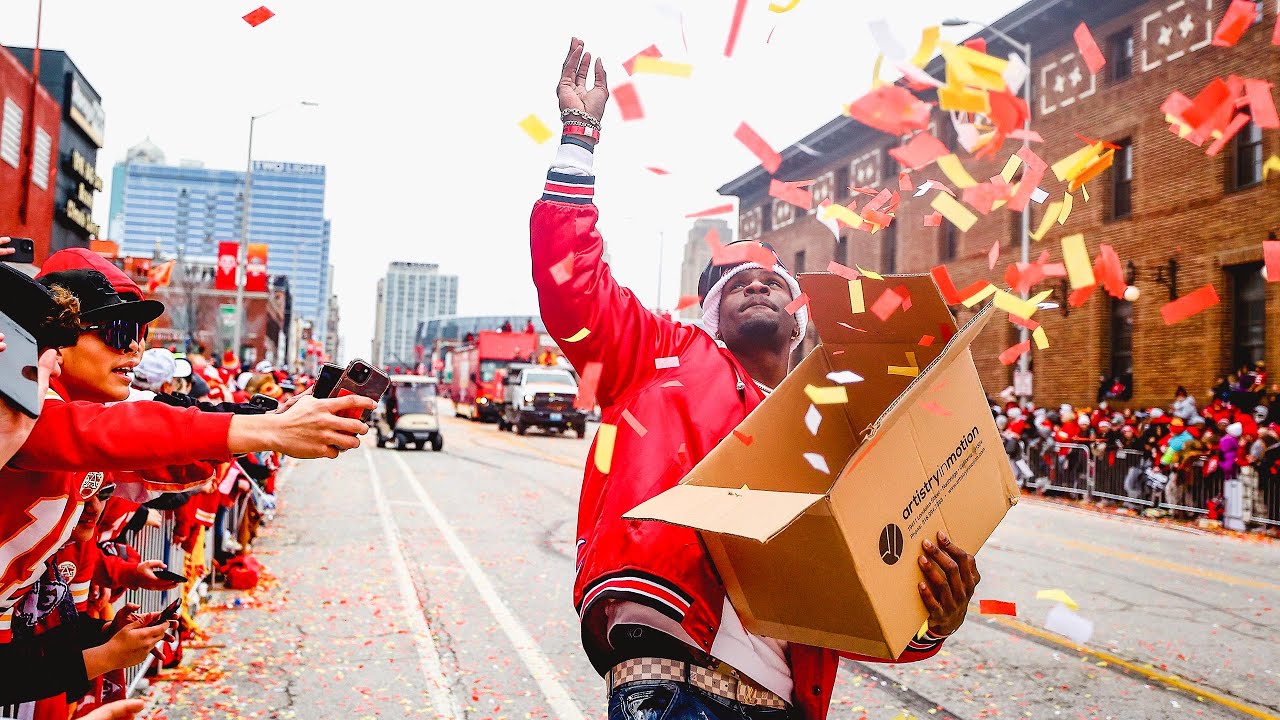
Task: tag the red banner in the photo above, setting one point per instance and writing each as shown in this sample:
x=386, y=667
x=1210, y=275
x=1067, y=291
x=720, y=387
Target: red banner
x=256, y=277
x=228, y=261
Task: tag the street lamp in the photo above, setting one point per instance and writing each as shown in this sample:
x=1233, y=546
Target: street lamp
x=1025, y=49
x=242, y=273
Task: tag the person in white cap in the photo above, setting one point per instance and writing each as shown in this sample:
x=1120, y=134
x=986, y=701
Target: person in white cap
x=263, y=367
x=154, y=374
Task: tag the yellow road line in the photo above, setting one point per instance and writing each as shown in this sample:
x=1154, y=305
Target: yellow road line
x=1153, y=562
x=1145, y=671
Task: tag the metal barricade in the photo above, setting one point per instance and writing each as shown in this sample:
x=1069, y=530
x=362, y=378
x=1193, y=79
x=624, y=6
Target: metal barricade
x=1112, y=481
x=152, y=543
x=1265, y=509
x=1070, y=469
x=1190, y=490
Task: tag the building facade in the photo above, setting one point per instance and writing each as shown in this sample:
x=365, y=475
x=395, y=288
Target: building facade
x=187, y=209
x=408, y=294
x=1177, y=218
x=81, y=135
x=696, y=256
x=29, y=134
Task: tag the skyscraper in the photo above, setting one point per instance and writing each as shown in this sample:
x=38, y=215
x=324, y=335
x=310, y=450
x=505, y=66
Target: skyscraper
x=188, y=209
x=409, y=293
x=696, y=256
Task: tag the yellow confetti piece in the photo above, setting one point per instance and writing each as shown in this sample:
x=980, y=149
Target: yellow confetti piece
x=955, y=172
x=875, y=72
x=1085, y=190
x=1010, y=168
x=1050, y=216
x=1067, y=201
x=535, y=129
x=658, y=66
x=857, y=304
x=968, y=67
x=826, y=395
x=952, y=210
x=578, y=336
x=928, y=43
x=959, y=99
x=1091, y=171
x=1076, y=257
x=979, y=296
x=1015, y=305
x=869, y=274
x=1068, y=167
x=1040, y=297
x=841, y=213
x=787, y=8
x=605, y=435
x=1042, y=340
x=1057, y=595
x=911, y=369
x=1273, y=163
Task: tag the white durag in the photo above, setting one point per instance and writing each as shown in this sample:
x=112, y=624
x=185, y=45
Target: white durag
x=711, y=304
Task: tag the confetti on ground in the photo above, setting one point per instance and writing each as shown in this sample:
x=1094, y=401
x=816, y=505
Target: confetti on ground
x=1188, y=305
x=586, y=399
x=1093, y=57
x=605, y=436
x=826, y=395
x=997, y=607
x=717, y=210
x=1059, y=596
x=812, y=419
x=793, y=306
x=535, y=129
x=630, y=64
x=259, y=16
x=628, y=101
x=818, y=462
x=578, y=336
x=768, y=157
x=844, y=377
x=745, y=438
x=1067, y=623
x=646, y=65
x=1011, y=355
x=563, y=270
x=666, y=363
x=634, y=423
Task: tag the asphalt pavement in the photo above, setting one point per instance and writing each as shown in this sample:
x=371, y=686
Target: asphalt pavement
x=438, y=585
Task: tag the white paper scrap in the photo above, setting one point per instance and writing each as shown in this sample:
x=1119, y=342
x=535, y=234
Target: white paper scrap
x=1038, y=197
x=844, y=377
x=1015, y=73
x=1063, y=621
x=884, y=38
x=813, y=419
x=818, y=462
x=665, y=363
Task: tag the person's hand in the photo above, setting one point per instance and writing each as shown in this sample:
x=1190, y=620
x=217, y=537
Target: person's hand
x=312, y=428
x=154, y=518
x=126, y=615
x=4, y=246
x=129, y=646
x=294, y=399
x=15, y=426
x=119, y=710
x=572, y=90
x=144, y=576
x=951, y=575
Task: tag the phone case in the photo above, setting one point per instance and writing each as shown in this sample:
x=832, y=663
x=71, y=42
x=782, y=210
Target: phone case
x=374, y=387
x=21, y=352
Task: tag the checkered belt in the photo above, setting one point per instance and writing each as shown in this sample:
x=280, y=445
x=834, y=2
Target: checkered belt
x=728, y=686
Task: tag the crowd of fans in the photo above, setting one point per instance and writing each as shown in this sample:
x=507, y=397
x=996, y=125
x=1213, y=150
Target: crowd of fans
x=1177, y=456
x=113, y=437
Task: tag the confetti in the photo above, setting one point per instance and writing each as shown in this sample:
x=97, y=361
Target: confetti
x=1076, y=257
x=1068, y=200
x=1237, y=122
x=1188, y=305
x=1271, y=257
x=605, y=436
x=847, y=273
x=1275, y=32
x=1014, y=75
x=717, y=210
x=885, y=40
x=656, y=66
x=1028, y=135
x=826, y=395
x=950, y=166
x=818, y=462
x=925, y=340
x=891, y=109
x=942, y=278
x=590, y=381
x=672, y=384
x=904, y=181
x=1240, y=15
x=993, y=255
x=997, y=607
x=578, y=336
x=844, y=377
x=871, y=275
x=1059, y=596
x=1010, y=167
x=791, y=193
x=1261, y=104
x=921, y=151
x=769, y=158
x=935, y=408
x=928, y=43
x=657, y=171
x=535, y=129
x=933, y=219
x=687, y=301
x=1272, y=165
x=1011, y=355
x=634, y=423
x=840, y=213
x=773, y=7
x=734, y=26
x=1093, y=57
x=1011, y=303
x=911, y=369
x=812, y=419
x=1047, y=220
x=745, y=438
x=857, y=304
x=796, y=304
x=666, y=363
x=630, y=64
x=953, y=211
x=259, y=16
x=887, y=304
x=1064, y=622
x=563, y=270
x=628, y=101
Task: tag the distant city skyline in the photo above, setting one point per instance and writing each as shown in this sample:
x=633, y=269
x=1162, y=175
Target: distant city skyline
x=410, y=293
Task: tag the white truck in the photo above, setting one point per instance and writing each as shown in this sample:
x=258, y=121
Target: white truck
x=541, y=396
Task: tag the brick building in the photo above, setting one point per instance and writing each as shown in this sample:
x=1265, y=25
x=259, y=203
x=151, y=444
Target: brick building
x=1177, y=218
x=28, y=153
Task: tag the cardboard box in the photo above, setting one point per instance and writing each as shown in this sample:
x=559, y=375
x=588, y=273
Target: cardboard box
x=830, y=558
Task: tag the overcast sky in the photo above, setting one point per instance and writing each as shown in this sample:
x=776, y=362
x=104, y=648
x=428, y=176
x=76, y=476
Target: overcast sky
x=419, y=103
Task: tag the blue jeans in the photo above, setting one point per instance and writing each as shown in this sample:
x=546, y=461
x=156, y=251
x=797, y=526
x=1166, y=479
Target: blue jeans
x=668, y=700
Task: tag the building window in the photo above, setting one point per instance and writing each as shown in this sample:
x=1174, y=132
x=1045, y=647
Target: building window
x=798, y=267
x=949, y=245
x=1249, y=305
x=11, y=133
x=1122, y=181
x=888, y=166
x=1120, y=55
x=40, y=163
x=1122, y=342
x=889, y=248
x=1245, y=162
x=841, y=190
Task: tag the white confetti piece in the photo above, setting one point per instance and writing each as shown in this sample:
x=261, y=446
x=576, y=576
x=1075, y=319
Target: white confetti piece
x=844, y=377
x=884, y=38
x=1064, y=622
x=1015, y=73
x=813, y=419
x=1039, y=196
x=666, y=363
x=819, y=463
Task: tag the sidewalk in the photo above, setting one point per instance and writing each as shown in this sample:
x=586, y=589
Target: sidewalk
x=1119, y=511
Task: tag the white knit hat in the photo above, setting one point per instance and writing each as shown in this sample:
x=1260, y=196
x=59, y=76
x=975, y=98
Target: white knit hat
x=1235, y=429
x=711, y=303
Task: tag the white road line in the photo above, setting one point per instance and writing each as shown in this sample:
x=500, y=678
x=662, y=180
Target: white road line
x=442, y=699
x=562, y=704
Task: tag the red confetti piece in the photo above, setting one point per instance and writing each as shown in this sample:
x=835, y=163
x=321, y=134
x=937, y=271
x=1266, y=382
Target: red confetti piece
x=717, y=210
x=891, y=109
x=657, y=171
x=904, y=182
x=1028, y=135
x=946, y=332
x=1271, y=255
x=1089, y=49
x=1032, y=173
x=997, y=607
x=977, y=43
x=798, y=303
x=630, y=64
x=935, y=408
x=847, y=273
x=887, y=304
x=1240, y=15
x=926, y=340
x=590, y=380
x=1188, y=305
x=942, y=279
x=734, y=26
x=687, y=301
x=259, y=16
x=1011, y=355
x=769, y=158
x=993, y=255
x=1261, y=104
x=933, y=220
x=905, y=294
x=1237, y=122
x=628, y=101
x=634, y=423
x=1275, y=33
x=1079, y=296
x=921, y=151
x=791, y=193
x=563, y=270
x=745, y=438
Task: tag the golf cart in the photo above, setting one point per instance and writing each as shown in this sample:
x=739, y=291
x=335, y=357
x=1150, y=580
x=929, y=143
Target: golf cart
x=407, y=414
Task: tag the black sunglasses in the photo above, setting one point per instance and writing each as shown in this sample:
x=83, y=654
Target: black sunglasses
x=119, y=335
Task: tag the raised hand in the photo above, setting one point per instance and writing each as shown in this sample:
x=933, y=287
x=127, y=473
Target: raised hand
x=572, y=90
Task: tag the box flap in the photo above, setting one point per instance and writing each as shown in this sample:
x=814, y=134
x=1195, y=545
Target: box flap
x=753, y=514
x=831, y=310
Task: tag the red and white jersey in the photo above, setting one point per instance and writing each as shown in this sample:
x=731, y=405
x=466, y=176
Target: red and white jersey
x=36, y=519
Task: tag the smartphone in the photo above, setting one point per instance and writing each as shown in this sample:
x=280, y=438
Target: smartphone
x=327, y=380
x=361, y=378
x=25, y=251
x=169, y=613
x=17, y=365
x=265, y=402
x=171, y=576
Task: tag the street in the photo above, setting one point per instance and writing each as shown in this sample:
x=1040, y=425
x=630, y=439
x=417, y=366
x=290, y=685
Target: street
x=421, y=584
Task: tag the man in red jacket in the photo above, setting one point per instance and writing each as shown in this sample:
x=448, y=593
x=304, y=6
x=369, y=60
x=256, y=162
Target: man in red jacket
x=656, y=621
